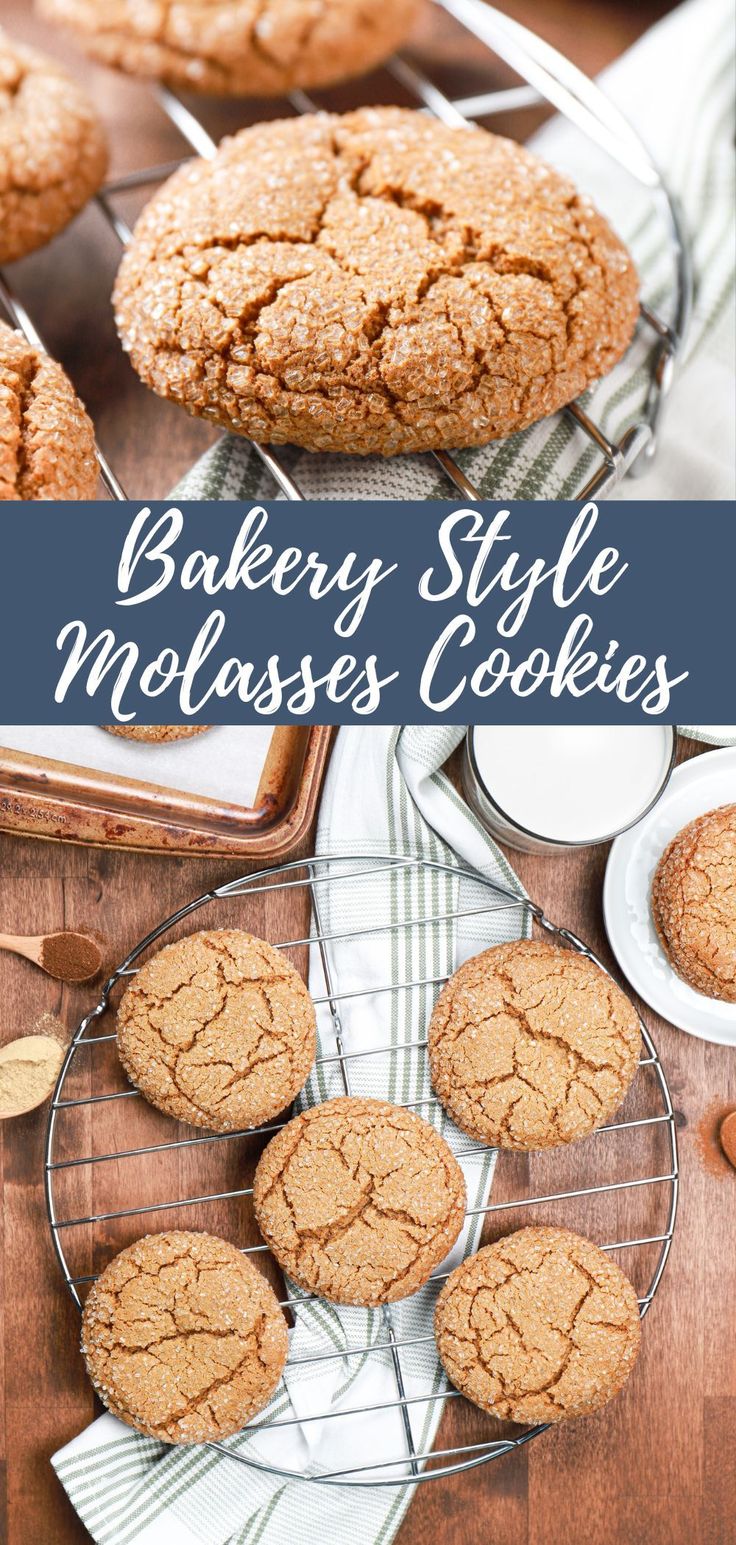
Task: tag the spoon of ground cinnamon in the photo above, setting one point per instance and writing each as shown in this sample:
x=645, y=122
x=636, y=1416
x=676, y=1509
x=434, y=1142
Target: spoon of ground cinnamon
x=67, y=955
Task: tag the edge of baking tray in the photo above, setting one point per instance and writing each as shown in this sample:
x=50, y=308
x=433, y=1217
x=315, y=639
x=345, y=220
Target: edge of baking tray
x=53, y=801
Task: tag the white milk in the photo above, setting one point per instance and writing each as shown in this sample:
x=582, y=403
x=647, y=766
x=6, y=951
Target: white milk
x=572, y=783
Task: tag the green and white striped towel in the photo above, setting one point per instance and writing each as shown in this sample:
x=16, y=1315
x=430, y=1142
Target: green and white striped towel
x=384, y=793
x=676, y=88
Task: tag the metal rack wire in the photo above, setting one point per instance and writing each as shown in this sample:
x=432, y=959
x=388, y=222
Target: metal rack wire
x=548, y=76
x=324, y=879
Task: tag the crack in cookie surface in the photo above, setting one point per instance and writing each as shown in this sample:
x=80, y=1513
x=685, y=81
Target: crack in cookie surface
x=373, y=283
x=359, y=1200
x=53, y=152
x=183, y=1338
x=47, y=441
x=531, y=1045
x=218, y=1030
x=250, y=47
x=694, y=903
x=540, y=1326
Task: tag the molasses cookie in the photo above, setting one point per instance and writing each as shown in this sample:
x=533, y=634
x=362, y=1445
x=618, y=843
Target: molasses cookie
x=539, y=1327
x=156, y=734
x=531, y=1045
x=218, y=1029
x=53, y=153
x=238, y=47
x=47, y=442
x=376, y=282
x=183, y=1338
x=694, y=903
x=359, y=1200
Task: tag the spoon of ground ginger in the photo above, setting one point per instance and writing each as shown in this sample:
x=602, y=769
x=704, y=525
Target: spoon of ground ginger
x=30, y=1066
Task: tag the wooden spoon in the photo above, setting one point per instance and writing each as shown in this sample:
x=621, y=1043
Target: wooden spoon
x=727, y=1135
x=68, y=956
x=30, y=1066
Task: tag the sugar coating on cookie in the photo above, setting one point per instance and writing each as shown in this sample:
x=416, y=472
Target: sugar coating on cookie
x=183, y=1338
x=53, y=151
x=47, y=441
x=377, y=282
x=218, y=1029
x=156, y=734
x=359, y=1200
x=694, y=903
x=238, y=47
x=539, y=1327
x=531, y=1045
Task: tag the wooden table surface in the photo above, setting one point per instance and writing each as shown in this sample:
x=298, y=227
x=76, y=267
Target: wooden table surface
x=658, y=1466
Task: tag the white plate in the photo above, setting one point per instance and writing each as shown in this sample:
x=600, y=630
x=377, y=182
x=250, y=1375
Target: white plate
x=694, y=788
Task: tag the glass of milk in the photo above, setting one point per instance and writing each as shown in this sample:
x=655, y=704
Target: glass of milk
x=541, y=787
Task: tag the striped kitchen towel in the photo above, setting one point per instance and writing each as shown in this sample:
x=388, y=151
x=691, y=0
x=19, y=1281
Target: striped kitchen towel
x=385, y=794
x=676, y=87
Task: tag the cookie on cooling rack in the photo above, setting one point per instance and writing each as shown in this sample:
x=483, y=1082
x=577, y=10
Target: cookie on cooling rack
x=183, y=1338
x=359, y=1200
x=246, y=48
x=385, y=284
x=218, y=1029
x=53, y=151
x=156, y=734
x=539, y=1327
x=694, y=903
x=531, y=1045
x=47, y=442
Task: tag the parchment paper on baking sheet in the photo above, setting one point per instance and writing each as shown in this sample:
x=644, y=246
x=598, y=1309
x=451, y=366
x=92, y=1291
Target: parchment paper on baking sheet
x=224, y=763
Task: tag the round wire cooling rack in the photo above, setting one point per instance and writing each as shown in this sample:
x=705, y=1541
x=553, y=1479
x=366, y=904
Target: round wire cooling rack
x=113, y=1163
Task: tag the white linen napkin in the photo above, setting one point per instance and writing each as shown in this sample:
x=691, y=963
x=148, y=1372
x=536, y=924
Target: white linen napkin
x=384, y=793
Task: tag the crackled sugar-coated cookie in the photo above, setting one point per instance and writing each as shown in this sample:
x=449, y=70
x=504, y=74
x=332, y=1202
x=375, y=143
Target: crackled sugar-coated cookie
x=53, y=152
x=218, y=1029
x=183, y=1338
x=359, y=1200
x=156, y=734
x=531, y=1045
x=238, y=47
x=694, y=903
x=376, y=282
x=47, y=442
x=539, y=1327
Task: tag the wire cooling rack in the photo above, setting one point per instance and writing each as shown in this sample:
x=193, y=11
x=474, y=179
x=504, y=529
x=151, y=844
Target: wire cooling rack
x=549, y=77
x=91, y=1154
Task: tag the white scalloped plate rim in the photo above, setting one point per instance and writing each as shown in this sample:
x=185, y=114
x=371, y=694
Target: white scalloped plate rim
x=695, y=787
